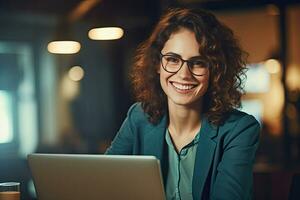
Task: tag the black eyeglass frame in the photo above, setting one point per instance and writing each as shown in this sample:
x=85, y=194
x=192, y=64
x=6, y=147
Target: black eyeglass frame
x=188, y=62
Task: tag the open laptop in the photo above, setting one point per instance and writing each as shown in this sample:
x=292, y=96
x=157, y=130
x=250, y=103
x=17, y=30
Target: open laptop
x=94, y=177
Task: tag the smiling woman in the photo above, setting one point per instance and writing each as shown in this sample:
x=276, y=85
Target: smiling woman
x=187, y=78
x=190, y=82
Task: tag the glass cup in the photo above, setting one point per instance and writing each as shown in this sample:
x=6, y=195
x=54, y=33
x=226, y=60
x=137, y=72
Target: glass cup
x=10, y=191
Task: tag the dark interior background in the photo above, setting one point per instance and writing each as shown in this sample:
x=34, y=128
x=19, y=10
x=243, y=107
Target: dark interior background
x=45, y=119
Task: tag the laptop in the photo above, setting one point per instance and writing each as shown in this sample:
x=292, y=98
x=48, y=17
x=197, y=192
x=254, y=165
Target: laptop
x=94, y=177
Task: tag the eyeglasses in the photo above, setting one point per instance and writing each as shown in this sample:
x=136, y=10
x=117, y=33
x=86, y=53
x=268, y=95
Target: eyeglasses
x=173, y=63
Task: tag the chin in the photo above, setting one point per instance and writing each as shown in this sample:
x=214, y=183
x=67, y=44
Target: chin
x=184, y=101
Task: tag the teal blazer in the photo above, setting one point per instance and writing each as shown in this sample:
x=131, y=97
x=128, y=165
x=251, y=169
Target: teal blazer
x=224, y=159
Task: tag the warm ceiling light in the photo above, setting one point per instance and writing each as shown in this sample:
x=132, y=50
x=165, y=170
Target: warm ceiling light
x=76, y=73
x=107, y=33
x=273, y=66
x=63, y=47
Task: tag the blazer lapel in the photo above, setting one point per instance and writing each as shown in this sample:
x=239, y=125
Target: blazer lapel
x=204, y=157
x=154, y=140
x=154, y=144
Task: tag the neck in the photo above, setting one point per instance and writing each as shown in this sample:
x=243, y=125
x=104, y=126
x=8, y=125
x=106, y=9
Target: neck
x=184, y=120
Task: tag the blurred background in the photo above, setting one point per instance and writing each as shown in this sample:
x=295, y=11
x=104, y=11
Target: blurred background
x=59, y=98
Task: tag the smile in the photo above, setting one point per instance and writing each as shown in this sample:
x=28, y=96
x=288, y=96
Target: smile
x=183, y=87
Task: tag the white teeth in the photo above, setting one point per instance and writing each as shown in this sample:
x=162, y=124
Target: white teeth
x=183, y=86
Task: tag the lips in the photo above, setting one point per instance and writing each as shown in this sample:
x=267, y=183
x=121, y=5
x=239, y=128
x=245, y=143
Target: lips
x=185, y=87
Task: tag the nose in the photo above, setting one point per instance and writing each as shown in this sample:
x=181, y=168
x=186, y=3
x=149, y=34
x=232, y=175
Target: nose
x=184, y=71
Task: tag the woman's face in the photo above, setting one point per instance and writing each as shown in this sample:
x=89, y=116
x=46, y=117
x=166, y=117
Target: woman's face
x=183, y=88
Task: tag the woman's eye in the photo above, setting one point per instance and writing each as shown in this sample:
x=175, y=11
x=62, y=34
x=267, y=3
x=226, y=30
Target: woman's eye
x=172, y=59
x=199, y=63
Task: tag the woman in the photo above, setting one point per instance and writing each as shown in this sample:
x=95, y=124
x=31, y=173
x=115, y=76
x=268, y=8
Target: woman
x=188, y=80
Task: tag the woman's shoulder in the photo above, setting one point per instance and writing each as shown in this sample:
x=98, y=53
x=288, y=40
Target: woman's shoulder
x=240, y=119
x=137, y=114
x=236, y=115
x=135, y=108
x=138, y=118
x=239, y=128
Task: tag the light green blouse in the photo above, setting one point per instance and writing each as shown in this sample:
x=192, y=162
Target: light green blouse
x=181, y=168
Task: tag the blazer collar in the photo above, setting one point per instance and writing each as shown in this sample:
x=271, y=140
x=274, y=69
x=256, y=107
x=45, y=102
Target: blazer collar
x=204, y=157
x=156, y=136
x=154, y=144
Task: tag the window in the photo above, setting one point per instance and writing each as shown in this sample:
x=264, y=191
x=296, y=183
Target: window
x=6, y=126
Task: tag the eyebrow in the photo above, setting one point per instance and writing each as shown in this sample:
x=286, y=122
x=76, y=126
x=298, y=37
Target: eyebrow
x=177, y=55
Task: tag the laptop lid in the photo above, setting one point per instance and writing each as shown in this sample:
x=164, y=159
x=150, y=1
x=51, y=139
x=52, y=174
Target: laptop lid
x=94, y=177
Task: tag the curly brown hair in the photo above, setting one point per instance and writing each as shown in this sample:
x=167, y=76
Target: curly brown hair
x=217, y=44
